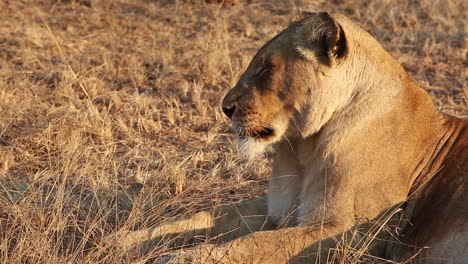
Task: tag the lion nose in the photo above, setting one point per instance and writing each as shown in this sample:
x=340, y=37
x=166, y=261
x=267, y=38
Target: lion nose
x=229, y=110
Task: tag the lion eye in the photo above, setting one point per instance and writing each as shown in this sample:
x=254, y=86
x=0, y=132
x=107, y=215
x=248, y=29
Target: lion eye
x=264, y=70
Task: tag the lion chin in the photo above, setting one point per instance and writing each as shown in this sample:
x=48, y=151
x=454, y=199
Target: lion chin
x=252, y=143
x=250, y=148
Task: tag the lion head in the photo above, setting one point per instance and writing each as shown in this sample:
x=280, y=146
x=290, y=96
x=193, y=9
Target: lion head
x=287, y=88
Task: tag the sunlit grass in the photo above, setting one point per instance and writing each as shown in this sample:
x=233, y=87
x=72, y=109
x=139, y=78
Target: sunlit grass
x=110, y=117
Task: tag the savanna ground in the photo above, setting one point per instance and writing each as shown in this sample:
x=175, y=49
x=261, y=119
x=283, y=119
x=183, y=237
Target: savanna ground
x=110, y=114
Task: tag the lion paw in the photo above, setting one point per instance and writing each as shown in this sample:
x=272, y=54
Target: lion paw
x=199, y=254
x=177, y=257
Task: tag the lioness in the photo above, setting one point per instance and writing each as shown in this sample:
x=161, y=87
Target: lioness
x=355, y=139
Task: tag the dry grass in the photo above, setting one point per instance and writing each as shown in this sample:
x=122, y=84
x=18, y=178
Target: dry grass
x=110, y=117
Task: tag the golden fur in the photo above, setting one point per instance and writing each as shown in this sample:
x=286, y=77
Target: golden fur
x=355, y=139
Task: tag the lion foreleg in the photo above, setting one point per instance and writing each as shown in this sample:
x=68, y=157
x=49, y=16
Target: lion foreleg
x=277, y=246
x=224, y=223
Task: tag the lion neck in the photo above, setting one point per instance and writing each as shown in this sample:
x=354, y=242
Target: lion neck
x=367, y=87
x=368, y=79
x=365, y=99
x=349, y=92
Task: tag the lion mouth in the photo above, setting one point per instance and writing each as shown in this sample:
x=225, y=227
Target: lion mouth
x=262, y=133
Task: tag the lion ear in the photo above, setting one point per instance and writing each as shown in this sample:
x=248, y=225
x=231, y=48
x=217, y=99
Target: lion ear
x=322, y=37
x=303, y=12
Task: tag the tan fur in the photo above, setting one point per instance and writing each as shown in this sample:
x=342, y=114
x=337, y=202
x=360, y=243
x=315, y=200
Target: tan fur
x=355, y=139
